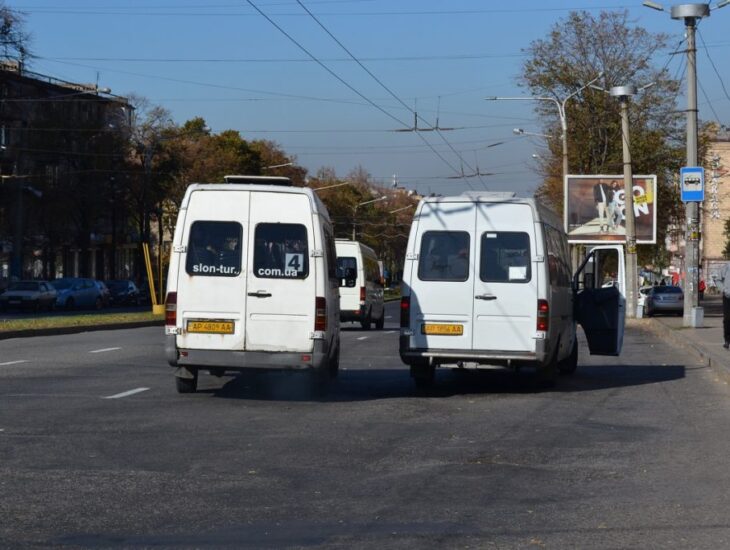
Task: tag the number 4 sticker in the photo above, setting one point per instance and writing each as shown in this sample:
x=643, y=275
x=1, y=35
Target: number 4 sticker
x=294, y=262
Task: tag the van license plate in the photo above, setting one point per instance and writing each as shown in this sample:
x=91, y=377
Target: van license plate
x=442, y=329
x=211, y=327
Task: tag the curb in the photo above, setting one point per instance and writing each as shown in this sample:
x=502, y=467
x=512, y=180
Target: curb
x=77, y=329
x=676, y=338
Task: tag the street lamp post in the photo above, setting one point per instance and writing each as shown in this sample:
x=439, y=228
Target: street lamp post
x=354, y=210
x=623, y=93
x=561, y=112
x=691, y=13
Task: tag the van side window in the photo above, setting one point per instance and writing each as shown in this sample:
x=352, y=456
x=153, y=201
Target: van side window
x=214, y=249
x=281, y=251
x=505, y=257
x=558, y=259
x=372, y=271
x=444, y=256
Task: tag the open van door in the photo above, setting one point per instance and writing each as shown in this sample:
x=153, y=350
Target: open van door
x=600, y=303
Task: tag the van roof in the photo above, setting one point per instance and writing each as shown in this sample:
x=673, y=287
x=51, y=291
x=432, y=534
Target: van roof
x=544, y=212
x=347, y=242
x=318, y=206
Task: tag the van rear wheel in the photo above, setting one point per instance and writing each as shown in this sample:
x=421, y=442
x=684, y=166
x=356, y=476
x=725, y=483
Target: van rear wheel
x=423, y=375
x=570, y=363
x=380, y=323
x=367, y=320
x=187, y=385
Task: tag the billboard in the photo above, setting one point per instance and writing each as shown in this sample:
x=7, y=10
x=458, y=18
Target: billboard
x=594, y=209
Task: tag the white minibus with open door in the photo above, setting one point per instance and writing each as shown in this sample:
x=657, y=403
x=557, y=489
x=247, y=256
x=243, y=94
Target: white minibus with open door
x=487, y=283
x=252, y=281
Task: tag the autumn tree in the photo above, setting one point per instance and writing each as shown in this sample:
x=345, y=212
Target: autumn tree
x=14, y=39
x=574, y=52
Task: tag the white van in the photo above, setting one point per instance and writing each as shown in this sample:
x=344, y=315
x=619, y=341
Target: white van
x=361, y=290
x=252, y=281
x=487, y=282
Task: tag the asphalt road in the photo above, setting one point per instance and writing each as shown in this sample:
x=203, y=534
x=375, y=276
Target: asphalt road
x=98, y=450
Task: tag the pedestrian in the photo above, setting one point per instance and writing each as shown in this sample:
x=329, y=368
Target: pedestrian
x=702, y=288
x=723, y=282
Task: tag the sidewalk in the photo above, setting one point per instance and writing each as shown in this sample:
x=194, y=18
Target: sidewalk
x=705, y=342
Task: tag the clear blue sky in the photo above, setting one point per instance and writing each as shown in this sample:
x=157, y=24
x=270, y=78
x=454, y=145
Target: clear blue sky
x=221, y=60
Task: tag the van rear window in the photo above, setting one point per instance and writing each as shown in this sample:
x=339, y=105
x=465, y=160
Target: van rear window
x=505, y=257
x=281, y=251
x=214, y=249
x=444, y=256
x=343, y=264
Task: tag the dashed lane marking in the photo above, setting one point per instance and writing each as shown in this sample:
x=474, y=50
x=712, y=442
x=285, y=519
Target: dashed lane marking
x=13, y=362
x=126, y=393
x=388, y=316
x=390, y=332
x=104, y=350
x=363, y=338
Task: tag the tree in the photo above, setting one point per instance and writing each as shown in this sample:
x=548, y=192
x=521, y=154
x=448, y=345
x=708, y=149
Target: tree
x=14, y=40
x=574, y=52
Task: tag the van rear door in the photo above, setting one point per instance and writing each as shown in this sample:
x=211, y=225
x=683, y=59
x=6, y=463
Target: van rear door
x=211, y=285
x=506, y=282
x=443, y=279
x=280, y=297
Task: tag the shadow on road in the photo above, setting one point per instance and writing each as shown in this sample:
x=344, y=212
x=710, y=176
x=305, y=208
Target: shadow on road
x=395, y=383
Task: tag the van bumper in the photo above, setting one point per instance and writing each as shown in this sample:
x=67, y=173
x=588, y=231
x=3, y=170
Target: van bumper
x=352, y=315
x=489, y=357
x=246, y=359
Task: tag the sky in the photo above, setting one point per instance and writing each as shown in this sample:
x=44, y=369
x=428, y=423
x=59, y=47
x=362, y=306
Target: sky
x=249, y=66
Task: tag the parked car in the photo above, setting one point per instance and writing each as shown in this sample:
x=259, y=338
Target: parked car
x=76, y=292
x=106, y=295
x=665, y=299
x=33, y=295
x=124, y=292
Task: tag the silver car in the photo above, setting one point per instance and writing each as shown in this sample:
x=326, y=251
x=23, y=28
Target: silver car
x=32, y=295
x=665, y=299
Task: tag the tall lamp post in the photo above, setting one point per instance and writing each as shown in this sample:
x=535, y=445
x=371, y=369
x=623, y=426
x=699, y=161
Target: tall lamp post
x=691, y=13
x=561, y=112
x=354, y=210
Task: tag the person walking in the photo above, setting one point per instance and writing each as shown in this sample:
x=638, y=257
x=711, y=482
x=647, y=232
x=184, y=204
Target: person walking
x=723, y=282
x=702, y=286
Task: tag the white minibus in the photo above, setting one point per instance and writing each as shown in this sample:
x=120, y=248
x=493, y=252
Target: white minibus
x=361, y=290
x=487, y=283
x=252, y=281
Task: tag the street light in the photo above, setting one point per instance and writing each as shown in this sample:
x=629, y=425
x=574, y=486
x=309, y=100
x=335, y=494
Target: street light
x=561, y=112
x=691, y=13
x=277, y=166
x=332, y=186
x=408, y=206
x=522, y=132
x=354, y=209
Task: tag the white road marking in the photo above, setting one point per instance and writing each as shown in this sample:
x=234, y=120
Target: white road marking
x=363, y=338
x=390, y=332
x=104, y=349
x=388, y=316
x=14, y=362
x=126, y=393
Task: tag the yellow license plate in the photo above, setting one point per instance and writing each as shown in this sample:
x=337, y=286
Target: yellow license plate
x=442, y=329
x=211, y=327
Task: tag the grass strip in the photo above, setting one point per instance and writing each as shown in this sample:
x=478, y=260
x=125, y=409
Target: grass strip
x=81, y=320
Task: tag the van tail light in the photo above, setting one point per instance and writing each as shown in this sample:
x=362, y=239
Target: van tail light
x=405, y=311
x=171, y=309
x=543, y=315
x=362, y=295
x=320, y=313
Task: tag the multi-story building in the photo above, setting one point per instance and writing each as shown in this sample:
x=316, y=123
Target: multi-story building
x=715, y=210
x=63, y=148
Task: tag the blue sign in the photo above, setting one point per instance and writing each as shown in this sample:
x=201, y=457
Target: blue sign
x=692, y=183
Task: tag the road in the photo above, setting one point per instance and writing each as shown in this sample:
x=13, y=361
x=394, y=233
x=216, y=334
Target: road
x=98, y=450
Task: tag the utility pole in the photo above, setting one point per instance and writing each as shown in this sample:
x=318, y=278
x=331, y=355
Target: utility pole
x=632, y=283
x=691, y=13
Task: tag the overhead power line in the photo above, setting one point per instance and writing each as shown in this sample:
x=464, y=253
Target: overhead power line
x=386, y=88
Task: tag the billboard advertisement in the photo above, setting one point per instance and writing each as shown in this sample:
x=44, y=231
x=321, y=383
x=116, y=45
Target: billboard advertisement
x=595, y=209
